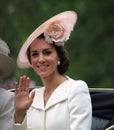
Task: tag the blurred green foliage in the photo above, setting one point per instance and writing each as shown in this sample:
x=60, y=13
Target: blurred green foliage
x=90, y=47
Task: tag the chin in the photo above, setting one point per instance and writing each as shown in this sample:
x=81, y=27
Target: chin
x=43, y=75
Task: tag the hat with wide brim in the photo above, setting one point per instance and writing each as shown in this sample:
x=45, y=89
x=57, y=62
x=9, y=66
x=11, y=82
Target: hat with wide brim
x=6, y=66
x=69, y=17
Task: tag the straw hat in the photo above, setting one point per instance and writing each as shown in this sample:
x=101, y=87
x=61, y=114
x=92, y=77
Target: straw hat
x=6, y=63
x=56, y=29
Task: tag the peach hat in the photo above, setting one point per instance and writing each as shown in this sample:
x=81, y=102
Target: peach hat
x=56, y=29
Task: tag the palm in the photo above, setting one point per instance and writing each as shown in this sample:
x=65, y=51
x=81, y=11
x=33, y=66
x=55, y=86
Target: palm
x=22, y=101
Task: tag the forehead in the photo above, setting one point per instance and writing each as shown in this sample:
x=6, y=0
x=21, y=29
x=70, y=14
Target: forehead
x=39, y=44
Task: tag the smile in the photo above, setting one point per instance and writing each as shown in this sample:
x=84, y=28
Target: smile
x=42, y=66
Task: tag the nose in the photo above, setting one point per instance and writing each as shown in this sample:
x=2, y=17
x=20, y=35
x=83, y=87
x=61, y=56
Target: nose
x=41, y=58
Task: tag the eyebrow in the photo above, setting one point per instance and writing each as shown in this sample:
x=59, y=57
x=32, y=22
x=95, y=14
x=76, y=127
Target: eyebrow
x=43, y=49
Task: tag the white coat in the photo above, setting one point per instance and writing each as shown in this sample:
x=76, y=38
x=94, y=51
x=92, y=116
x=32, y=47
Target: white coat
x=68, y=108
x=6, y=109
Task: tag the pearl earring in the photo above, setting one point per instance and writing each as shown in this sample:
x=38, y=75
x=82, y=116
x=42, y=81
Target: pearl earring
x=58, y=63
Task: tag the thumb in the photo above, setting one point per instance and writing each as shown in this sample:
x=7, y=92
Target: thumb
x=32, y=94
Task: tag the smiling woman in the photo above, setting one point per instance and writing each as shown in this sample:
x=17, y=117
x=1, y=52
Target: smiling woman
x=61, y=96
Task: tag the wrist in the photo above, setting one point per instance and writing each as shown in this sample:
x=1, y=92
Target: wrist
x=19, y=117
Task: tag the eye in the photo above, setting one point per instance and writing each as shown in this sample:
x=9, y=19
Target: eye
x=47, y=52
x=34, y=54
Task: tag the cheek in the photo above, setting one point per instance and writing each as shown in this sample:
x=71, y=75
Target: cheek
x=53, y=60
x=33, y=61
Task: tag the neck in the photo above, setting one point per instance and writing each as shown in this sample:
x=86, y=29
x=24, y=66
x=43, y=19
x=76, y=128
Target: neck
x=52, y=82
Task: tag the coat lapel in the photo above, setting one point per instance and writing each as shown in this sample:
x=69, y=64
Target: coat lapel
x=38, y=102
x=57, y=96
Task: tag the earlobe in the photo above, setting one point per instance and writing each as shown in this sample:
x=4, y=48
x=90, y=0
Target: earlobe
x=58, y=63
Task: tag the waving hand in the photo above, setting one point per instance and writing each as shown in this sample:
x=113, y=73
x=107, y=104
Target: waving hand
x=22, y=99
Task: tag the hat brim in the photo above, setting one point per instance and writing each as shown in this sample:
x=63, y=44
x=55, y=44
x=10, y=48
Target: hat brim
x=22, y=59
x=6, y=66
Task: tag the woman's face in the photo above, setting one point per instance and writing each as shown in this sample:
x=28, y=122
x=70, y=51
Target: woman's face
x=43, y=58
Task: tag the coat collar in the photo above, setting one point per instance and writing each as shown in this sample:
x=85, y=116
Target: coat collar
x=57, y=96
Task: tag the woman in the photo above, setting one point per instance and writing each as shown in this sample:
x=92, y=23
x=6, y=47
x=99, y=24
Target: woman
x=62, y=103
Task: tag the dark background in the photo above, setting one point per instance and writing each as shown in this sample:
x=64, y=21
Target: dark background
x=91, y=44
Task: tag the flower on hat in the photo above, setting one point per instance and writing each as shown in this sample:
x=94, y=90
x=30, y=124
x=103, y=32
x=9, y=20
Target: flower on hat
x=58, y=32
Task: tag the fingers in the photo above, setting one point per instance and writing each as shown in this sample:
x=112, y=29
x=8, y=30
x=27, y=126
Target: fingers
x=23, y=85
x=27, y=84
x=20, y=86
x=16, y=88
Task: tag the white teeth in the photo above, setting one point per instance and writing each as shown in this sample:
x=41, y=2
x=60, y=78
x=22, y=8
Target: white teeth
x=41, y=67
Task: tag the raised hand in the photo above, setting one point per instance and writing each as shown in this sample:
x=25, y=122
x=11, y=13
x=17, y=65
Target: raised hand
x=22, y=98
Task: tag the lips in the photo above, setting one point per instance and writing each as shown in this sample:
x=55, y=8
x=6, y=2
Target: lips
x=42, y=66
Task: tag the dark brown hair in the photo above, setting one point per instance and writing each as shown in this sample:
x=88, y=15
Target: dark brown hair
x=63, y=55
x=64, y=59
